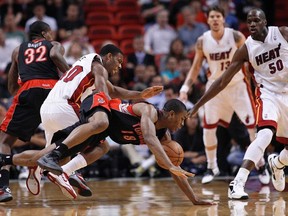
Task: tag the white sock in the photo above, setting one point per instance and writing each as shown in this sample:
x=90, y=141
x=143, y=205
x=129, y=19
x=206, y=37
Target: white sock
x=282, y=159
x=242, y=175
x=211, y=158
x=76, y=163
x=148, y=162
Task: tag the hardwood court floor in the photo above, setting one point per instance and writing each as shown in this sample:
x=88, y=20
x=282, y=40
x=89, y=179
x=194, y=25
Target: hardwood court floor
x=146, y=197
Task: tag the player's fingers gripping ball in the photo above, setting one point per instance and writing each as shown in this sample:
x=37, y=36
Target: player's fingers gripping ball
x=174, y=151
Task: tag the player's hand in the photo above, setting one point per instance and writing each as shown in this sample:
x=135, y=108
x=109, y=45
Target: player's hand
x=151, y=91
x=180, y=172
x=192, y=112
x=203, y=202
x=183, y=96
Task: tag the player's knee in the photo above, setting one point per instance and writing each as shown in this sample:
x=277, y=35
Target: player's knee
x=100, y=125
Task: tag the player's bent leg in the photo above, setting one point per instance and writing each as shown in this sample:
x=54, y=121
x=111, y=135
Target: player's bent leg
x=62, y=182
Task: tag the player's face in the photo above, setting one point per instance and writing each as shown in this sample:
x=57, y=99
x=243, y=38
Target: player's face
x=215, y=20
x=176, y=120
x=256, y=24
x=115, y=64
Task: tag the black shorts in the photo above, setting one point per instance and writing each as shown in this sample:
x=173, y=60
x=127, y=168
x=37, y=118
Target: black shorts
x=23, y=116
x=92, y=141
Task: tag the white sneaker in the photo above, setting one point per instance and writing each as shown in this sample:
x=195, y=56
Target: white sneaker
x=62, y=182
x=209, y=175
x=278, y=176
x=33, y=180
x=264, y=176
x=237, y=207
x=236, y=190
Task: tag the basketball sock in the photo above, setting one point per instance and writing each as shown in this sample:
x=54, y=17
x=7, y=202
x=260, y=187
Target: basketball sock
x=61, y=148
x=211, y=158
x=242, y=175
x=4, y=178
x=282, y=159
x=210, y=142
x=148, y=162
x=76, y=163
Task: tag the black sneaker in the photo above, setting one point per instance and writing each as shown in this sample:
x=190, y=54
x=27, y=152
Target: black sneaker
x=78, y=181
x=5, y=194
x=50, y=161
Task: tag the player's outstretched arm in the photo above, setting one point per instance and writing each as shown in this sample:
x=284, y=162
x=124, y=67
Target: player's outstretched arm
x=118, y=92
x=193, y=72
x=56, y=54
x=148, y=116
x=184, y=185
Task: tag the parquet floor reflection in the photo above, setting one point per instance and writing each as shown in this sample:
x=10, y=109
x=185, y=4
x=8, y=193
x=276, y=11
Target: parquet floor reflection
x=146, y=197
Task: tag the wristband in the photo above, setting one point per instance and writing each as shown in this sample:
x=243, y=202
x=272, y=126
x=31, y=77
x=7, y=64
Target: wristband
x=184, y=88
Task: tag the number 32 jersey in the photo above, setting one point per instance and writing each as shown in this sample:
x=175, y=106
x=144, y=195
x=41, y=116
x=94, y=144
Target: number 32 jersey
x=270, y=60
x=34, y=61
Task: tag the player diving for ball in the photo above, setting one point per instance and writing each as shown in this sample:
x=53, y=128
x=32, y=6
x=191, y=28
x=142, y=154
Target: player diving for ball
x=139, y=123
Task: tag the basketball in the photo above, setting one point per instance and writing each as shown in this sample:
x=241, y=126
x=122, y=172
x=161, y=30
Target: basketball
x=174, y=151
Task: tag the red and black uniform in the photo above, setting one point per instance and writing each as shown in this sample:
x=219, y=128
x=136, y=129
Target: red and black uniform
x=124, y=125
x=37, y=76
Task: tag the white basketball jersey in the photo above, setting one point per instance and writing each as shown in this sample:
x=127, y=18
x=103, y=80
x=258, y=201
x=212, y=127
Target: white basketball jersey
x=270, y=60
x=75, y=81
x=220, y=53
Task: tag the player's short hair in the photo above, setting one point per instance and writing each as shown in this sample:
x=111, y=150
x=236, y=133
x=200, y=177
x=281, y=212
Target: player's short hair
x=110, y=48
x=216, y=8
x=174, y=104
x=36, y=29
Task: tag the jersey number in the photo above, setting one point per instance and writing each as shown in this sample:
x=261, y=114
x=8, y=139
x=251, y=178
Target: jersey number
x=276, y=66
x=37, y=55
x=225, y=65
x=70, y=74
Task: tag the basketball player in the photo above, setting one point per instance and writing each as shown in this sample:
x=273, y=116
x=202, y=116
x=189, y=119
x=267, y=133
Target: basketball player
x=267, y=51
x=140, y=123
x=33, y=73
x=218, y=46
x=61, y=108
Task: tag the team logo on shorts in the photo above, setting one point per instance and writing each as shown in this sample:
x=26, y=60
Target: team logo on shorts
x=101, y=100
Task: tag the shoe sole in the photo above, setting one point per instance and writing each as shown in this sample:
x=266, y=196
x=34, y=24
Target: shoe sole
x=82, y=189
x=33, y=180
x=66, y=191
x=7, y=199
x=44, y=166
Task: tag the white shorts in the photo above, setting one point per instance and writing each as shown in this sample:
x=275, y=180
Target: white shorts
x=56, y=116
x=272, y=111
x=234, y=98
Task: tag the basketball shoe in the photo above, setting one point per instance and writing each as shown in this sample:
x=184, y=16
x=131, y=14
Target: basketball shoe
x=209, y=175
x=62, y=182
x=50, y=161
x=78, y=181
x=33, y=180
x=236, y=190
x=278, y=175
x=5, y=194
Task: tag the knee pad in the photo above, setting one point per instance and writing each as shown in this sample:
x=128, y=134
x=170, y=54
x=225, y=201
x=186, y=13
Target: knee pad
x=257, y=148
x=209, y=137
